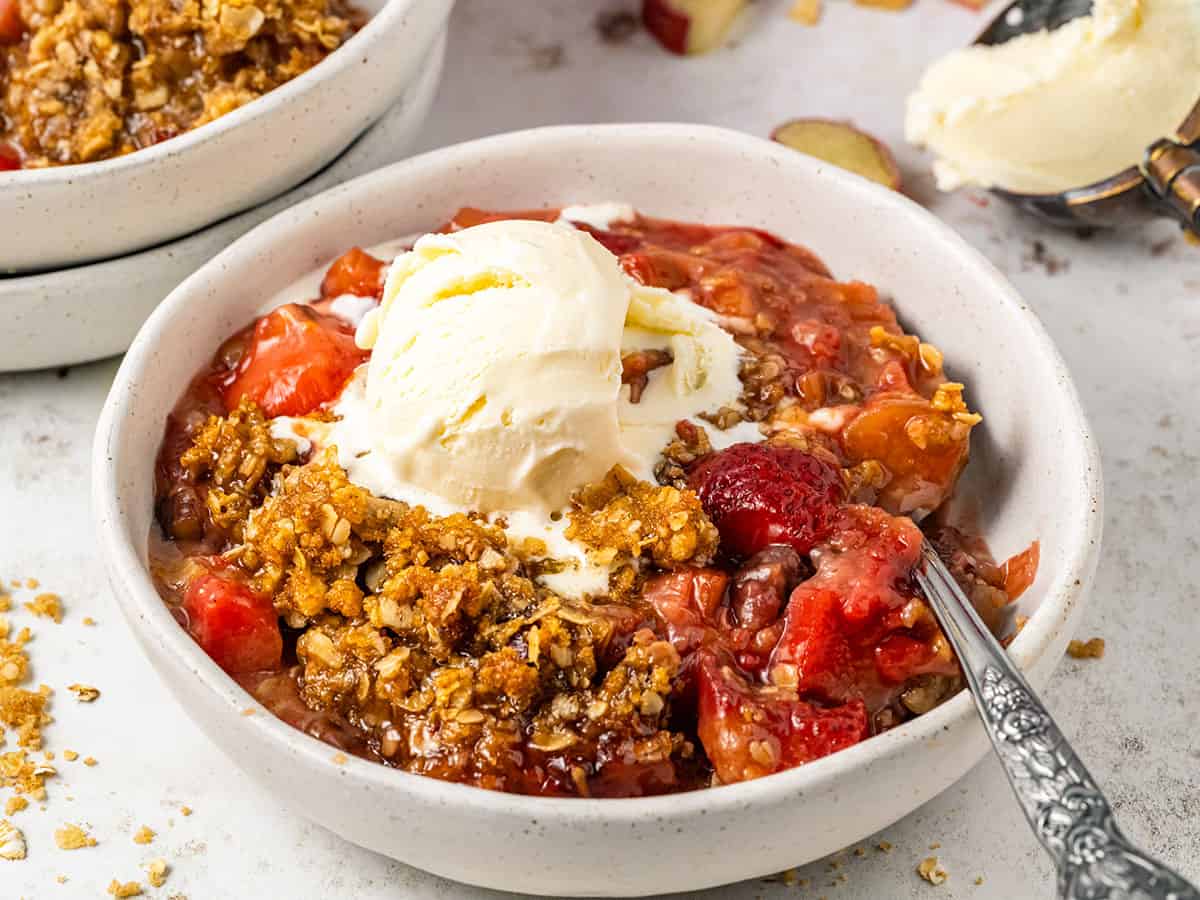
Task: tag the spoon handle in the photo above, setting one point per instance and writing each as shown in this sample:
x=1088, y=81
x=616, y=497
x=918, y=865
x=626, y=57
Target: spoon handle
x=1061, y=800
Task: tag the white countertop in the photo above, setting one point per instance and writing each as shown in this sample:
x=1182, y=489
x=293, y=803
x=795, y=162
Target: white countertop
x=1125, y=311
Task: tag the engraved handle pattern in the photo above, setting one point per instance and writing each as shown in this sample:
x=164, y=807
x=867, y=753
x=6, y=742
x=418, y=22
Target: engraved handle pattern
x=1061, y=800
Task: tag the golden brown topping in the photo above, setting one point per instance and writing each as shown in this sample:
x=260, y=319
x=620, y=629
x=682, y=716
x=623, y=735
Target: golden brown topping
x=301, y=545
x=124, y=889
x=143, y=835
x=14, y=805
x=233, y=456
x=98, y=78
x=621, y=516
x=931, y=870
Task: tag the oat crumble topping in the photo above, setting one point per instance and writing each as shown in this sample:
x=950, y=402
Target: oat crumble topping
x=1093, y=648
x=931, y=870
x=84, y=693
x=92, y=79
x=124, y=889
x=48, y=606
x=156, y=872
x=12, y=841
x=144, y=835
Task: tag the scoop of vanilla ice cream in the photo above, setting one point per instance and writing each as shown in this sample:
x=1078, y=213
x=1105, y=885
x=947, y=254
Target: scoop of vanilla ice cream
x=494, y=382
x=1052, y=110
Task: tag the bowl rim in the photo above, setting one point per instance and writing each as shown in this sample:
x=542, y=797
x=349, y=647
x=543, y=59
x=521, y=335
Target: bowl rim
x=390, y=13
x=145, y=611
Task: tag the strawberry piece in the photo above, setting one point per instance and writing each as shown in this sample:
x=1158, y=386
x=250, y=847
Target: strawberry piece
x=237, y=628
x=354, y=272
x=297, y=360
x=10, y=159
x=758, y=495
x=749, y=731
x=687, y=600
x=12, y=29
x=837, y=621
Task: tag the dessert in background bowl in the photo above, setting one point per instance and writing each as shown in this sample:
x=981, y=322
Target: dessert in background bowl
x=190, y=113
x=650, y=526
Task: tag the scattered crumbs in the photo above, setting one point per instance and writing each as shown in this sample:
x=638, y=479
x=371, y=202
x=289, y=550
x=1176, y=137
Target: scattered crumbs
x=143, y=835
x=14, y=805
x=88, y=620
x=49, y=755
x=936, y=845
x=128, y=889
x=70, y=755
x=185, y=810
x=616, y=26
x=156, y=872
x=885, y=846
x=248, y=711
x=47, y=606
x=859, y=851
x=1040, y=255
x=16, y=582
x=931, y=870
x=841, y=878
x=177, y=897
x=834, y=865
x=12, y=841
x=84, y=693
x=547, y=58
x=978, y=880
x=5, y=600
x=340, y=759
x=72, y=837
x=32, y=583
x=61, y=879
x=89, y=761
x=1089, y=649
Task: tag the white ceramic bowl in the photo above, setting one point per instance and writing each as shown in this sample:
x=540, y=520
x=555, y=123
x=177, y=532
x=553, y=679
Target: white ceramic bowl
x=68, y=215
x=1037, y=458
x=91, y=311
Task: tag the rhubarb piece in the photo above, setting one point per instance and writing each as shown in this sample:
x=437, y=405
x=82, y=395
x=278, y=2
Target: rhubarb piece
x=843, y=145
x=688, y=27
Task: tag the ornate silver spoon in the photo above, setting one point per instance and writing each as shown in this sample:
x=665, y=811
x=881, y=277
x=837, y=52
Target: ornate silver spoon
x=1166, y=183
x=1061, y=800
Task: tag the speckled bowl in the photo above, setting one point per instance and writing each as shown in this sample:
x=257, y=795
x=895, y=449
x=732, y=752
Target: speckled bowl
x=1035, y=473
x=68, y=215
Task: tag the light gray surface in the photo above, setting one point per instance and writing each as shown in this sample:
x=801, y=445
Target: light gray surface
x=1125, y=312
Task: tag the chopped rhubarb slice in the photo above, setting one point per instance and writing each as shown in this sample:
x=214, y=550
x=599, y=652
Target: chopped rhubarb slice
x=843, y=145
x=688, y=27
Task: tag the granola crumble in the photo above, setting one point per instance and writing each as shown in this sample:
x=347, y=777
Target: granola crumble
x=48, y=606
x=144, y=835
x=156, y=872
x=92, y=79
x=124, y=889
x=84, y=693
x=932, y=871
x=12, y=841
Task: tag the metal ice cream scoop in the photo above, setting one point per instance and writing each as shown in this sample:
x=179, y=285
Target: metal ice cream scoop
x=1165, y=184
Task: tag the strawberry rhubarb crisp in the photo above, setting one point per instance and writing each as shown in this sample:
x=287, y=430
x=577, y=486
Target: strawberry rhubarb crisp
x=575, y=502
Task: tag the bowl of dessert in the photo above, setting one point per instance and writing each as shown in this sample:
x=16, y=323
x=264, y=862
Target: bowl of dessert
x=126, y=127
x=523, y=492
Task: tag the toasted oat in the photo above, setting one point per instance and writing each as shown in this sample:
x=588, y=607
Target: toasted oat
x=72, y=837
x=156, y=872
x=88, y=620
x=885, y=846
x=620, y=516
x=89, y=761
x=1093, y=648
x=12, y=841
x=185, y=810
x=84, y=693
x=47, y=606
x=931, y=870
x=124, y=889
x=15, y=804
x=70, y=755
x=144, y=835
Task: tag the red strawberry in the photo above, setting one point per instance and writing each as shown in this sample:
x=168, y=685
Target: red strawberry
x=758, y=494
x=749, y=731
